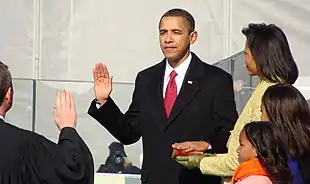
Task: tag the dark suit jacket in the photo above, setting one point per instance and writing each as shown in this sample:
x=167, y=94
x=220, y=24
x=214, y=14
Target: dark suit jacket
x=204, y=110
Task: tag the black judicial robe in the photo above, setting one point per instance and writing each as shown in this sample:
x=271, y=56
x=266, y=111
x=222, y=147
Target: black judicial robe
x=29, y=158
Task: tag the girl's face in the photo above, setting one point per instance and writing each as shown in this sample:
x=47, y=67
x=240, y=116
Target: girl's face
x=264, y=115
x=249, y=61
x=245, y=150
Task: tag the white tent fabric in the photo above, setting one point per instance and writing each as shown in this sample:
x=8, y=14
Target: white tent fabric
x=63, y=39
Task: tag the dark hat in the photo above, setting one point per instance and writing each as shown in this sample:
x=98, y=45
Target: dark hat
x=116, y=147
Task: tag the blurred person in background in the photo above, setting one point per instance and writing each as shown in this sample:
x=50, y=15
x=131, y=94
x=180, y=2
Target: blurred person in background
x=118, y=162
x=29, y=158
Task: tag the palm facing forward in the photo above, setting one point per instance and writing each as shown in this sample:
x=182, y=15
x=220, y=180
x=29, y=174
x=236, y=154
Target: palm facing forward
x=102, y=83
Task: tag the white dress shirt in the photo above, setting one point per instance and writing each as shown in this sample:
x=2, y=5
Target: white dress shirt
x=180, y=70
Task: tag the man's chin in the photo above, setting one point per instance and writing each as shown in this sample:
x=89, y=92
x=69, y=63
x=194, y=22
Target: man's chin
x=171, y=57
x=169, y=54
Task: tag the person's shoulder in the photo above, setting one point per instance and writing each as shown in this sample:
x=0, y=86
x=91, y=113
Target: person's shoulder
x=152, y=68
x=20, y=139
x=218, y=72
x=133, y=170
x=12, y=129
x=102, y=168
x=211, y=69
x=303, y=166
x=256, y=179
x=23, y=134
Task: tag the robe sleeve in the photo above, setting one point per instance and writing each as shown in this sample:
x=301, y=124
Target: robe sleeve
x=69, y=161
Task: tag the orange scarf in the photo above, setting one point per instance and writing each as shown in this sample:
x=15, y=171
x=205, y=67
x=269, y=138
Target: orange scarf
x=248, y=168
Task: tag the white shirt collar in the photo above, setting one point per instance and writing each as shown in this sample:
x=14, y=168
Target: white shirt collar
x=1, y=117
x=180, y=70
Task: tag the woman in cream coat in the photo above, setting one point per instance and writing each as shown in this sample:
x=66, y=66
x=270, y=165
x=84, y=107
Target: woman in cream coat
x=267, y=55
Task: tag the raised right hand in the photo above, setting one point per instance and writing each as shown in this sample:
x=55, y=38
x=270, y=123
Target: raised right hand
x=102, y=83
x=64, y=110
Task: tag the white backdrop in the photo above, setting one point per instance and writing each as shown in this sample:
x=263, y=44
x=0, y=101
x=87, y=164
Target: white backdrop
x=63, y=39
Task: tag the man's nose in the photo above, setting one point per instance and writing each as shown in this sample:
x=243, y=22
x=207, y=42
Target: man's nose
x=169, y=38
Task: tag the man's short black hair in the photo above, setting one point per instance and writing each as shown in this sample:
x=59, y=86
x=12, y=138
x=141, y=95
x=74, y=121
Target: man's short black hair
x=5, y=81
x=177, y=12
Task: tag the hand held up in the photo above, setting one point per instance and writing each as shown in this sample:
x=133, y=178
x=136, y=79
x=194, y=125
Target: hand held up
x=64, y=110
x=102, y=83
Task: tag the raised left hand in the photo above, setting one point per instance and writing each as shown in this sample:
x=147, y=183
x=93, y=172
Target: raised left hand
x=189, y=146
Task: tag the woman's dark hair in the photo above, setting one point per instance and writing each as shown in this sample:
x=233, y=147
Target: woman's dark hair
x=266, y=139
x=271, y=52
x=288, y=109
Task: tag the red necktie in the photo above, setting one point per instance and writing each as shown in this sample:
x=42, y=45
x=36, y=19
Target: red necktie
x=171, y=93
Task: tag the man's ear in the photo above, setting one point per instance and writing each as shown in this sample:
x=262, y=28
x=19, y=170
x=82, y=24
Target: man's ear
x=9, y=94
x=193, y=37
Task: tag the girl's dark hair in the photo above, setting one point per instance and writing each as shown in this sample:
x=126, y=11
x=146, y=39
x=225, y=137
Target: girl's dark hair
x=271, y=52
x=289, y=110
x=266, y=139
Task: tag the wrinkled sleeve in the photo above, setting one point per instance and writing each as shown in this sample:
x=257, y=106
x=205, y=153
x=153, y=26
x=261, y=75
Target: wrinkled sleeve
x=69, y=161
x=222, y=164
